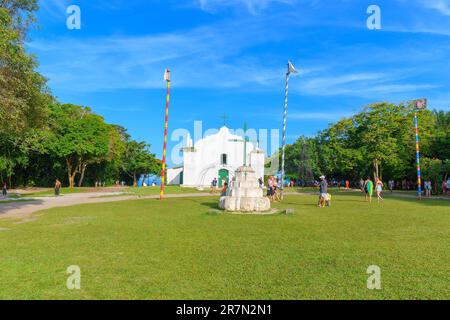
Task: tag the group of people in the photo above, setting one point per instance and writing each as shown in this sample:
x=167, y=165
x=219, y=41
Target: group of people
x=446, y=187
x=215, y=186
x=273, y=189
x=368, y=187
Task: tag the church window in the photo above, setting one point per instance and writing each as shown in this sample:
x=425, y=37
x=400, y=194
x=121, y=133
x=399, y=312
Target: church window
x=223, y=159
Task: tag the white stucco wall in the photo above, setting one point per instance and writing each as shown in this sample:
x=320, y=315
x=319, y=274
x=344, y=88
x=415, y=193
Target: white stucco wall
x=174, y=176
x=202, y=165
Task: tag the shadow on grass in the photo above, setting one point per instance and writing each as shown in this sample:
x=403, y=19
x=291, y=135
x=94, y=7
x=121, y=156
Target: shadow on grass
x=211, y=205
x=6, y=207
x=299, y=204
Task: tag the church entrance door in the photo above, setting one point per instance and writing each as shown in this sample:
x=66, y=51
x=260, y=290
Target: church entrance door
x=223, y=177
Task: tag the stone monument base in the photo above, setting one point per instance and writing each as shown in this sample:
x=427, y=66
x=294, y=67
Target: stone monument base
x=244, y=194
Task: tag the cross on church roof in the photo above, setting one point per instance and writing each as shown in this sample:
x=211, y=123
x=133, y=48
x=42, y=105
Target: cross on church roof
x=224, y=118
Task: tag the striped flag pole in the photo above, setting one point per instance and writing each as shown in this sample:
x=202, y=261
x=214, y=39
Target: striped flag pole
x=283, y=153
x=291, y=70
x=166, y=133
x=419, y=178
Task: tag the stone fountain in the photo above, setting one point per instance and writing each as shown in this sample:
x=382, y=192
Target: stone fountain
x=244, y=194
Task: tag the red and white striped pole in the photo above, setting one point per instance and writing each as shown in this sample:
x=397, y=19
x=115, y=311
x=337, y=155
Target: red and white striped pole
x=166, y=133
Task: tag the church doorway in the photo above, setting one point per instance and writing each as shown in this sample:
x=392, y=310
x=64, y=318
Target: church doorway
x=223, y=177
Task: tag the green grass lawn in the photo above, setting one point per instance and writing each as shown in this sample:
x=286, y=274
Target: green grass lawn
x=178, y=249
x=147, y=191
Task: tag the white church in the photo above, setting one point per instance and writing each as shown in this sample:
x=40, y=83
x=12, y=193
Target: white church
x=216, y=156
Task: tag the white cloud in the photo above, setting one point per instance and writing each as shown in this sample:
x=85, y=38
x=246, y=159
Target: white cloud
x=366, y=85
x=55, y=8
x=203, y=57
x=253, y=6
x=443, y=6
x=222, y=56
x=324, y=116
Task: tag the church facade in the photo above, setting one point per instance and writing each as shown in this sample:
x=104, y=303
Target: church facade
x=216, y=156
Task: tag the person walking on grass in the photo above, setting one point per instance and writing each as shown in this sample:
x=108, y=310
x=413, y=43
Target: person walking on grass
x=323, y=198
x=427, y=187
x=224, y=189
x=391, y=184
x=368, y=189
x=57, y=187
x=270, y=188
x=379, y=189
x=5, y=189
x=361, y=185
x=214, y=185
x=276, y=194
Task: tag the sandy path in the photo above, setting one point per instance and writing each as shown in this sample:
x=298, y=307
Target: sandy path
x=24, y=209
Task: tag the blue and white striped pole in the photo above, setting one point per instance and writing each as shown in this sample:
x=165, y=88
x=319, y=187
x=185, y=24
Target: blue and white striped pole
x=290, y=70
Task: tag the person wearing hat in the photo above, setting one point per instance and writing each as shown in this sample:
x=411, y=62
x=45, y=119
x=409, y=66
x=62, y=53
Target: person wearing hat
x=323, y=192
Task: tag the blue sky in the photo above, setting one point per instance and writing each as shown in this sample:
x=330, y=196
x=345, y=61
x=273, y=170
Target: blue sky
x=229, y=56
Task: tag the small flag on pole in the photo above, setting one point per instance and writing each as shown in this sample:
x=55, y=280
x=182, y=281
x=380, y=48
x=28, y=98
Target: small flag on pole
x=421, y=104
x=167, y=75
x=291, y=68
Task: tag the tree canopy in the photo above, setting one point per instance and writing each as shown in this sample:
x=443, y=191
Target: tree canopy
x=378, y=141
x=42, y=139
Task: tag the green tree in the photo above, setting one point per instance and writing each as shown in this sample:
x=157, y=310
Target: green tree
x=380, y=140
x=302, y=159
x=80, y=137
x=138, y=160
x=435, y=170
x=440, y=145
x=21, y=13
x=339, y=152
x=23, y=92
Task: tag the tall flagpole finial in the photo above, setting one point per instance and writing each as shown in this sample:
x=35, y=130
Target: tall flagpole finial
x=291, y=68
x=167, y=75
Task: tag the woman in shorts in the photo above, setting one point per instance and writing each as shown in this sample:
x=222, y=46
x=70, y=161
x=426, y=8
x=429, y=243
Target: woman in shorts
x=379, y=189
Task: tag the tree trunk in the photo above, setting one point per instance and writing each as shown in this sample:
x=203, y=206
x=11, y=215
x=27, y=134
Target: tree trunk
x=71, y=174
x=134, y=180
x=71, y=181
x=376, y=173
x=83, y=170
